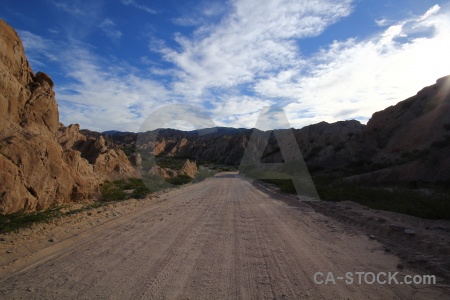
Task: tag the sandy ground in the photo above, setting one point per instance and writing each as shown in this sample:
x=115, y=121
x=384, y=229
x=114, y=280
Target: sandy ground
x=224, y=238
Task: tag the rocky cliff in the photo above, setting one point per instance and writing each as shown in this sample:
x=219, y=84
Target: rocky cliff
x=189, y=168
x=412, y=138
x=42, y=162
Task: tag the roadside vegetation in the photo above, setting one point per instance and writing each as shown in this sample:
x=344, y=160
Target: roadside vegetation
x=204, y=173
x=429, y=201
x=123, y=189
x=15, y=221
x=117, y=190
x=139, y=188
x=18, y=220
x=284, y=185
x=179, y=179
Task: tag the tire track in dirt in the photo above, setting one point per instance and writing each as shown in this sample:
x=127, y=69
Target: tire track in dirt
x=219, y=239
x=174, y=238
x=178, y=264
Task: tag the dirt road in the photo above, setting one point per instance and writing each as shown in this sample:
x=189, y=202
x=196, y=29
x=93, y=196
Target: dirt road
x=224, y=238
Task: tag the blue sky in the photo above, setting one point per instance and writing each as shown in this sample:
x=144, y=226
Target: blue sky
x=116, y=62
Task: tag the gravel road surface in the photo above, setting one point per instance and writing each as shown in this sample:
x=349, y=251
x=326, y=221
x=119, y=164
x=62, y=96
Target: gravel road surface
x=224, y=238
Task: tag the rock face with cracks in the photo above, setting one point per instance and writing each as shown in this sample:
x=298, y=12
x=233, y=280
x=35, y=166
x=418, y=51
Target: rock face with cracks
x=43, y=163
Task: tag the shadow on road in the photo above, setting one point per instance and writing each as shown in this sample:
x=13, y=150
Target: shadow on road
x=227, y=175
x=287, y=199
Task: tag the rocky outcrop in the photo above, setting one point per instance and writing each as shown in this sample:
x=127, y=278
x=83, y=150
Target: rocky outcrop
x=43, y=163
x=107, y=160
x=416, y=122
x=189, y=168
x=136, y=159
x=412, y=138
x=162, y=172
x=160, y=147
x=36, y=173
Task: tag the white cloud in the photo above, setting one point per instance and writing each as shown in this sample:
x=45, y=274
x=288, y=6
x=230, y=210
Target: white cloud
x=139, y=6
x=117, y=97
x=256, y=38
x=110, y=29
x=202, y=14
x=32, y=41
x=383, y=22
x=433, y=10
x=71, y=8
x=245, y=45
x=251, y=58
x=157, y=45
x=81, y=18
x=238, y=110
x=188, y=21
x=355, y=78
x=87, y=11
x=96, y=93
x=213, y=8
x=147, y=61
x=391, y=33
x=37, y=48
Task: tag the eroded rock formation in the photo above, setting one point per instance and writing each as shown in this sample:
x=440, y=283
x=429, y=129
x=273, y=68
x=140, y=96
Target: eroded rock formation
x=189, y=168
x=42, y=162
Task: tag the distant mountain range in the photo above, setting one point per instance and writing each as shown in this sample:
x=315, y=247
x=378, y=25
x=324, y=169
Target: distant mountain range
x=230, y=130
x=112, y=132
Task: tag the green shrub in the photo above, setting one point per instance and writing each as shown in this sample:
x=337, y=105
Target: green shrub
x=179, y=179
x=147, y=164
x=203, y=173
x=154, y=183
x=435, y=204
x=133, y=183
x=113, y=191
x=128, y=149
x=285, y=185
x=408, y=198
x=14, y=221
x=116, y=190
x=175, y=163
x=140, y=192
x=138, y=187
x=110, y=191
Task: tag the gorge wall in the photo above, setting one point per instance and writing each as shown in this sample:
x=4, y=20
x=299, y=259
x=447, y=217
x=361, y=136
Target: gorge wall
x=42, y=162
